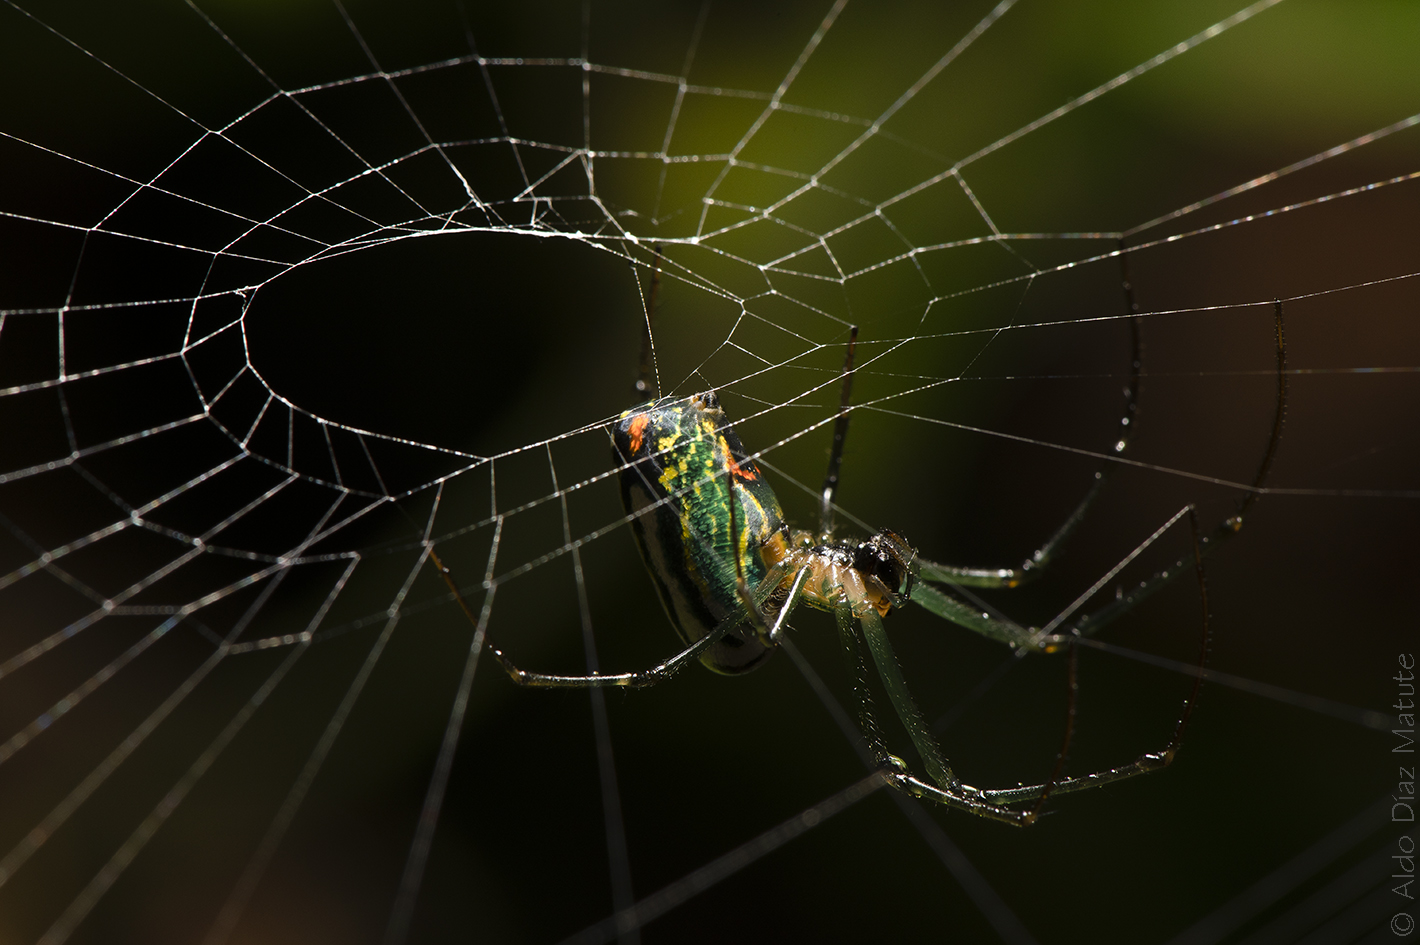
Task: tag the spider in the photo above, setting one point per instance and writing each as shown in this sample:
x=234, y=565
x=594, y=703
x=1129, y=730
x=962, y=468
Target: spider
x=730, y=571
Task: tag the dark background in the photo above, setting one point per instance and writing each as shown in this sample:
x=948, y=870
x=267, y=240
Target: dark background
x=486, y=342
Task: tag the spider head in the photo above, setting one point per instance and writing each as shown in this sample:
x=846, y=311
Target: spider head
x=885, y=558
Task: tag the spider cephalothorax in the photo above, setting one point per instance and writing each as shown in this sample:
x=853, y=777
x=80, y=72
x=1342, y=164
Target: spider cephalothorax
x=860, y=574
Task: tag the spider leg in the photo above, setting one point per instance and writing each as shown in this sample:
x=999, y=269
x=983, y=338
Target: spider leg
x=994, y=803
x=891, y=768
x=1146, y=763
x=1042, y=556
x=648, y=378
x=790, y=602
x=949, y=608
x=1046, y=639
x=973, y=618
x=890, y=672
x=632, y=680
x=852, y=644
x=950, y=792
x=1092, y=623
x=840, y=433
x=947, y=789
x=772, y=580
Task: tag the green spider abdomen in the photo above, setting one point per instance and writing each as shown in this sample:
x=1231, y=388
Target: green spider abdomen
x=681, y=467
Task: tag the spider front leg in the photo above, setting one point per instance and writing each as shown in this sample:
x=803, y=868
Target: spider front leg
x=1048, y=639
x=1038, y=560
x=993, y=628
x=1045, y=639
x=1091, y=623
x=976, y=577
x=1042, y=556
x=840, y=434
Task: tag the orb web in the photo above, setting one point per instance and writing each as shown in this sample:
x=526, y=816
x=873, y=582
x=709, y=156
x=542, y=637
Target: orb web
x=296, y=297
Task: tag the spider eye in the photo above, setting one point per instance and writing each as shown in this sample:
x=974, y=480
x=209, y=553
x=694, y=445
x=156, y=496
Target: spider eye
x=710, y=401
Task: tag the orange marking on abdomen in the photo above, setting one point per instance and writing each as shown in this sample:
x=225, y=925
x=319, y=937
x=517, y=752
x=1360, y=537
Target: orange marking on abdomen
x=635, y=428
x=745, y=471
